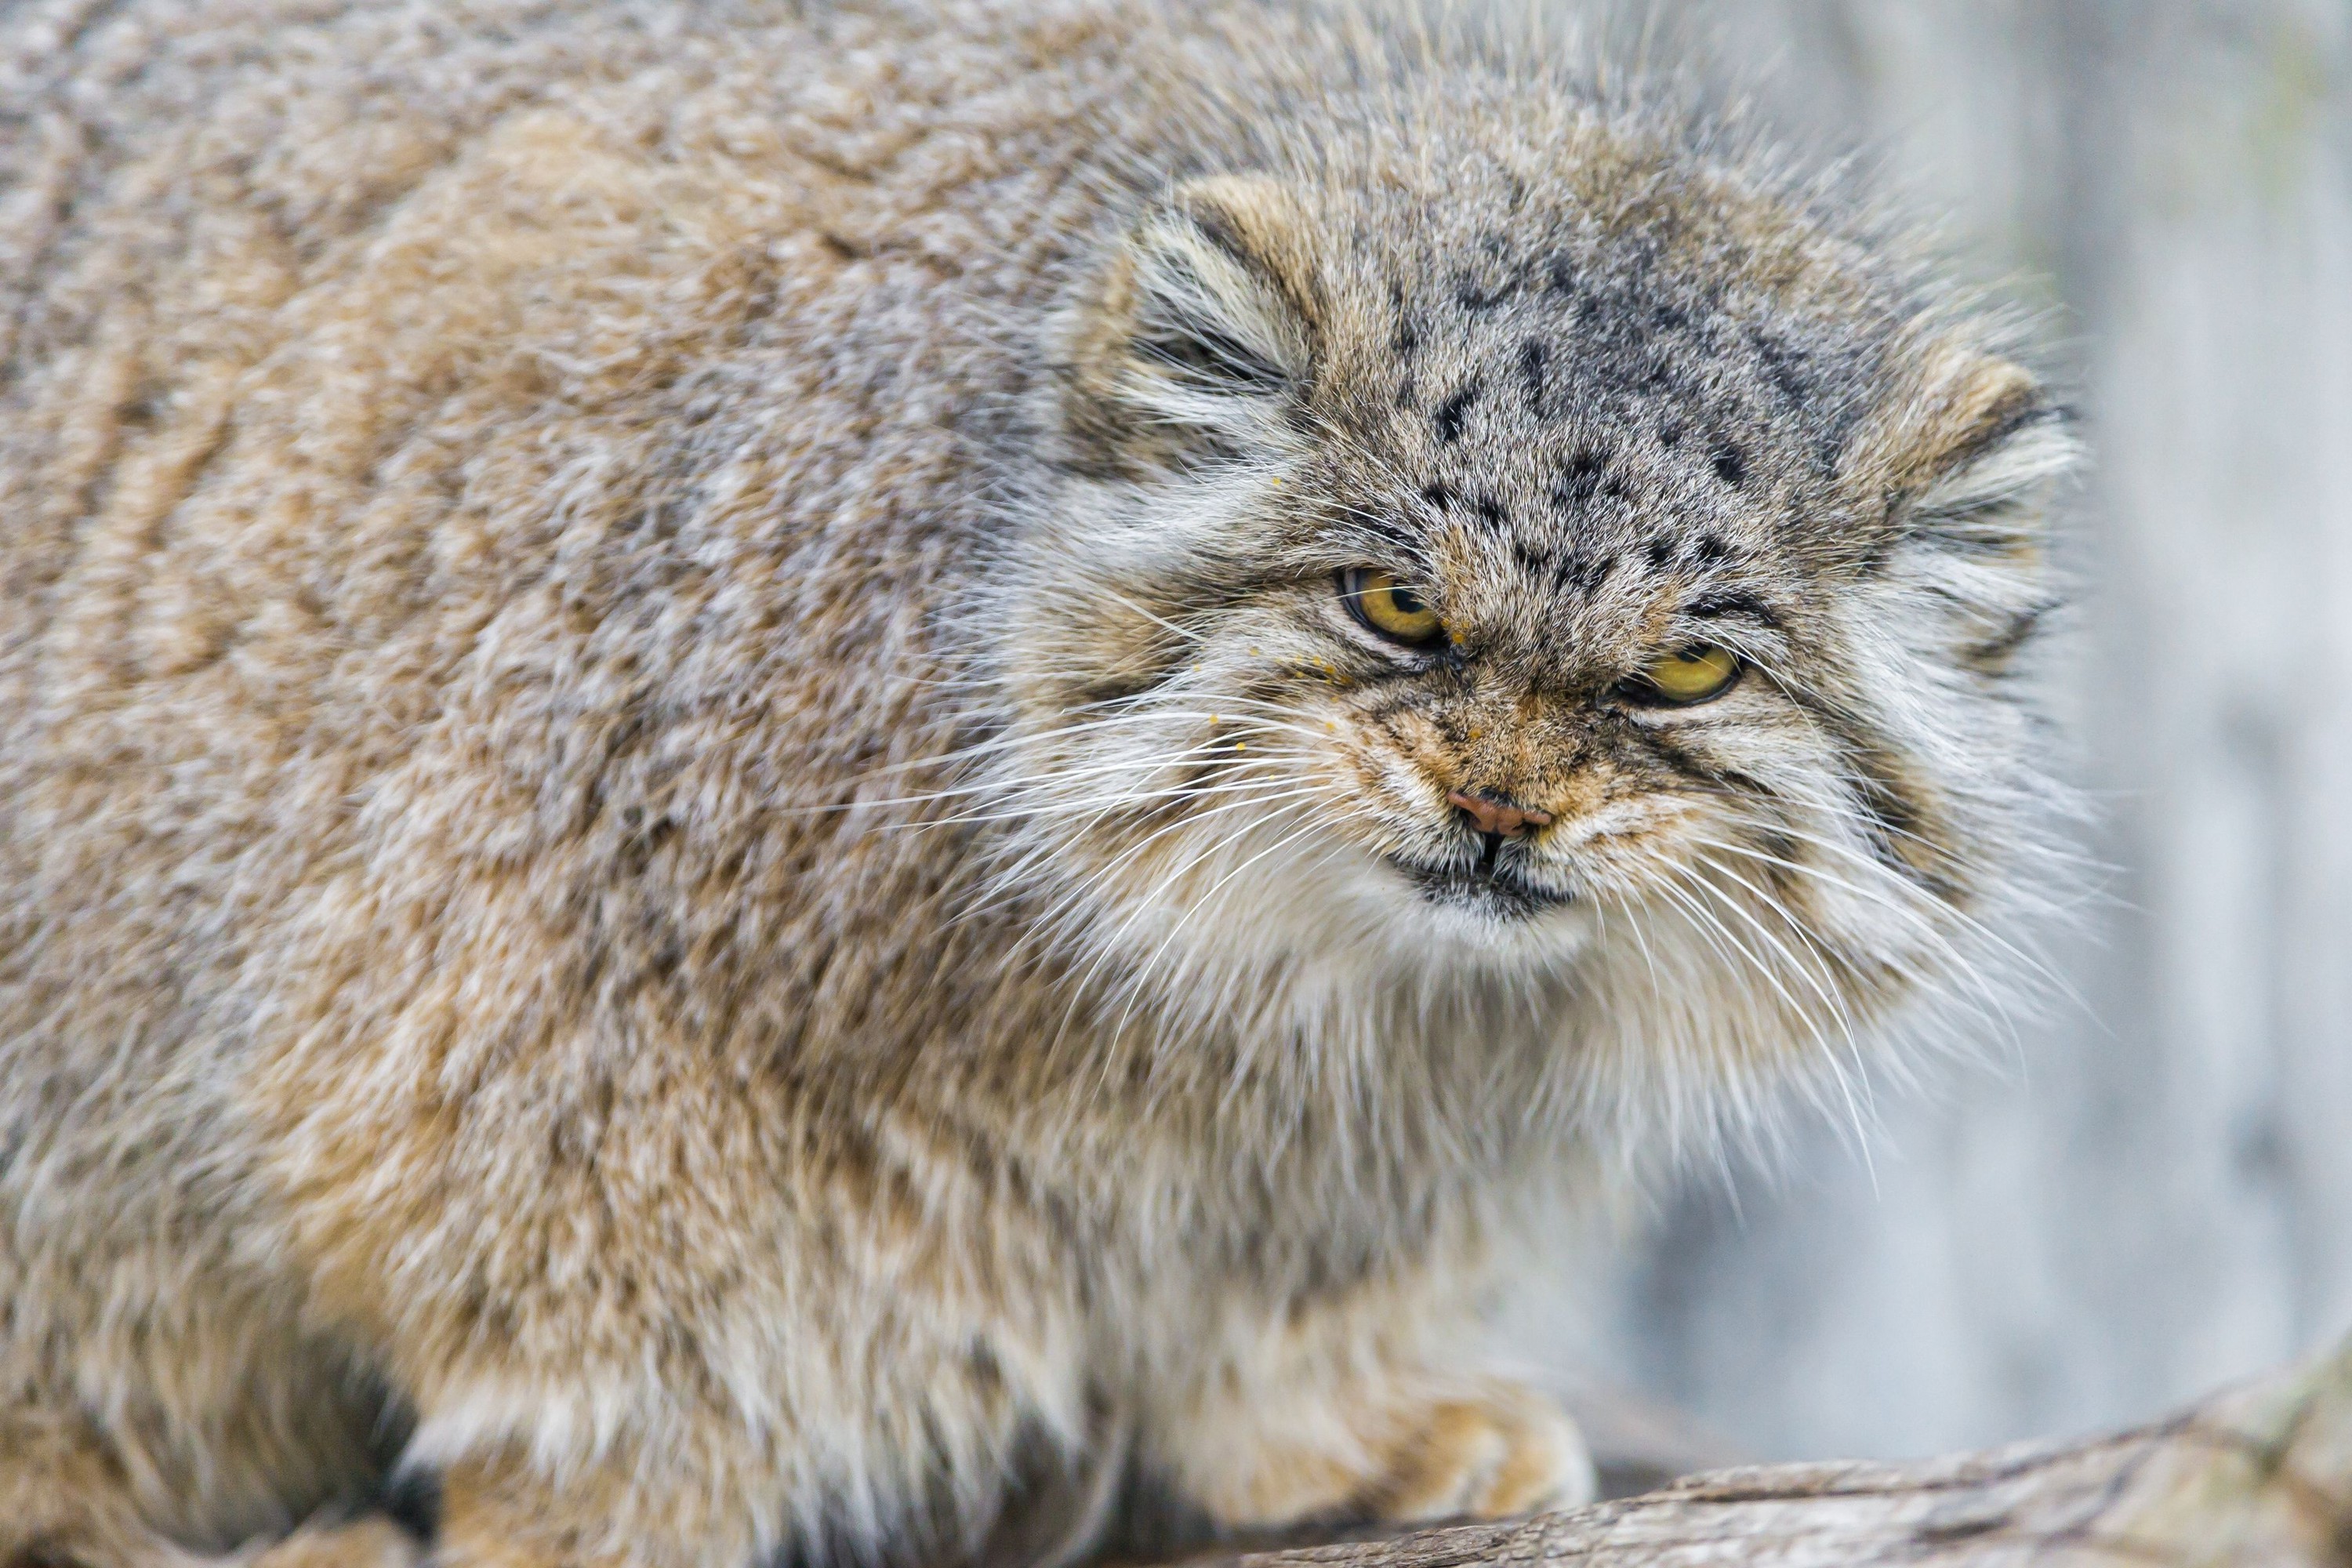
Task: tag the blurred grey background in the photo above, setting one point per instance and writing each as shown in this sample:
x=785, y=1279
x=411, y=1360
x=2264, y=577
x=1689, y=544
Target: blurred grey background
x=2153, y=1193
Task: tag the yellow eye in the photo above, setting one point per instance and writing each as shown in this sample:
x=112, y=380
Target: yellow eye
x=1388, y=607
x=1692, y=675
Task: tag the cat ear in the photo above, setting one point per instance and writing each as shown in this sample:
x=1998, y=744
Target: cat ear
x=1972, y=453
x=1966, y=464
x=1203, y=320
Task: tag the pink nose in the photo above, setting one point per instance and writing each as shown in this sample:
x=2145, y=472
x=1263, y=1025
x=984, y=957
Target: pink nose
x=1491, y=814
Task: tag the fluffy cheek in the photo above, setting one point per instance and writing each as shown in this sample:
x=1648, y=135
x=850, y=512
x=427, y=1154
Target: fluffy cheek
x=1393, y=806
x=1795, y=864
x=1628, y=839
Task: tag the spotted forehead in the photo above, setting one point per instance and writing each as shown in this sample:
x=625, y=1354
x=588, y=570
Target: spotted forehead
x=1589, y=408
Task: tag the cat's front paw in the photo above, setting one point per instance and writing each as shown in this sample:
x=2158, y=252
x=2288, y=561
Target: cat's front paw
x=1477, y=1449
x=1496, y=1449
x=365, y=1544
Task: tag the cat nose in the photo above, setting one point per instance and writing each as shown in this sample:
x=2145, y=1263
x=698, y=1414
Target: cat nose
x=1493, y=813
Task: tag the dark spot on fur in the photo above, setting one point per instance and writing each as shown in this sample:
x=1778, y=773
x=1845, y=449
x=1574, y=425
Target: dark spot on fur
x=143, y=408
x=1531, y=371
x=1490, y=512
x=1408, y=391
x=1784, y=366
x=1452, y=412
x=1580, y=479
x=1730, y=466
x=1992, y=655
x=1659, y=552
x=1668, y=318
x=1584, y=573
x=1438, y=493
x=1407, y=337
x=1711, y=550
x=1559, y=275
x=1732, y=604
x=1533, y=562
x=413, y=1501
x=1476, y=301
x=1670, y=435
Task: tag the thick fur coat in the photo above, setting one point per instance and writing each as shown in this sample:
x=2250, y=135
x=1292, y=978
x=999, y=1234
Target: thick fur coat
x=694, y=859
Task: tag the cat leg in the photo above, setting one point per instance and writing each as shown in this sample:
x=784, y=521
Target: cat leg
x=1342, y=1411
x=1484, y=1448
x=1416, y=1450
x=499, y=1511
x=65, y=1499
x=503, y=1512
x=942, y=1468
x=374, y=1541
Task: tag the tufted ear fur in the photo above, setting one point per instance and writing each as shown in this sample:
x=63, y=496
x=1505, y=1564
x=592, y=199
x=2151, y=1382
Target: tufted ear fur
x=1970, y=455
x=1203, y=319
x=1967, y=462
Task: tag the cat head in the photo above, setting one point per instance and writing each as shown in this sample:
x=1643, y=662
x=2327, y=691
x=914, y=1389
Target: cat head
x=1567, y=562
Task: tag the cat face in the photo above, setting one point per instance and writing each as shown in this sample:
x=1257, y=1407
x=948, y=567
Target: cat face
x=1478, y=582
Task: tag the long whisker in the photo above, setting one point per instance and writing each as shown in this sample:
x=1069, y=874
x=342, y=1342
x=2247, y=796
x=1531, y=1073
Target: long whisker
x=1143, y=972
x=1828, y=1054
x=1242, y=728
x=1130, y=853
x=1143, y=906
x=1975, y=927
x=1956, y=963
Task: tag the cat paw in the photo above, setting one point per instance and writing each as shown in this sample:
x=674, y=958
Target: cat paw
x=366, y=1543
x=1495, y=1450
x=1484, y=1449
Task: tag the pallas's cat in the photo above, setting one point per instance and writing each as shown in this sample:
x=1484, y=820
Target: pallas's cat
x=829, y=783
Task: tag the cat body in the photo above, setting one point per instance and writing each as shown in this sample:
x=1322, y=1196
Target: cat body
x=709, y=844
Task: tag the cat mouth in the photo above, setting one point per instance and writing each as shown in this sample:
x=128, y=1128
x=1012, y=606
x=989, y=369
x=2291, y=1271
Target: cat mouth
x=1493, y=886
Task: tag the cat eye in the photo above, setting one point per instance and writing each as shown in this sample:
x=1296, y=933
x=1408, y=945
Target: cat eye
x=1679, y=679
x=1390, y=607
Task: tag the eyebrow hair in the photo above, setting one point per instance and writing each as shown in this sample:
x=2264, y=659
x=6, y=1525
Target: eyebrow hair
x=1378, y=526
x=1732, y=603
